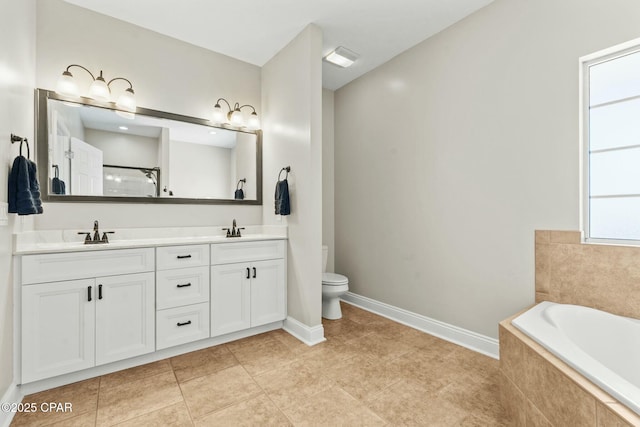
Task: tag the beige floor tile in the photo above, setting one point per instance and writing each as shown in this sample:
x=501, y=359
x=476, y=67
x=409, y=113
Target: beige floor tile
x=412, y=403
x=88, y=419
x=428, y=367
x=82, y=395
x=362, y=317
x=480, y=397
x=175, y=415
x=202, y=362
x=219, y=390
x=370, y=371
x=259, y=411
x=379, y=347
x=291, y=342
x=137, y=397
x=254, y=341
x=333, y=407
x=293, y=384
x=326, y=355
x=344, y=329
x=263, y=356
x=364, y=377
x=132, y=374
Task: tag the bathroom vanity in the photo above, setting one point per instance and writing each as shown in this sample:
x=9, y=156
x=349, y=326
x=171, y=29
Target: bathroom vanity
x=142, y=299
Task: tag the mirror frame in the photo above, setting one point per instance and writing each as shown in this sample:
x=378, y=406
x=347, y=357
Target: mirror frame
x=42, y=154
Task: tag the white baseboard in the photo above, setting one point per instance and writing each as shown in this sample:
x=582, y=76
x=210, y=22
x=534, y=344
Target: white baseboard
x=12, y=395
x=471, y=340
x=310, y=335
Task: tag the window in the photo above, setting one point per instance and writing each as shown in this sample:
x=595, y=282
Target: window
x=611, y=137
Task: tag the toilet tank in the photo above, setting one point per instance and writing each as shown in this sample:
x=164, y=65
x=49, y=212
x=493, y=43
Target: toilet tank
x=325, y=256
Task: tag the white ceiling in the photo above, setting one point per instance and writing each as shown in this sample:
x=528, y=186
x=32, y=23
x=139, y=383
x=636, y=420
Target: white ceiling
x=255, y=30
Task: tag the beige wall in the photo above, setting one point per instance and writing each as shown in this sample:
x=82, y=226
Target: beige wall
x=17, y=76
x=451, y=154
x=167, y=75
x=328, y=173
x=292, y=105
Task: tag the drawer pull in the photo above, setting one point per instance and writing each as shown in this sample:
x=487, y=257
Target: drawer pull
x=254, y=272
x=248, y=273
x=188, y=322
x=99, y=291
x=88, y=293
x=184, y=285
x=183, y=256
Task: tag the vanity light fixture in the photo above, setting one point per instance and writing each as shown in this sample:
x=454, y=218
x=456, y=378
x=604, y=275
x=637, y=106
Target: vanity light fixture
x=342, y=57
x=99, y=90
x=234, y=115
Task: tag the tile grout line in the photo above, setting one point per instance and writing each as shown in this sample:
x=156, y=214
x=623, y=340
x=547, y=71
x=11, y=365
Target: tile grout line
x=184, y=400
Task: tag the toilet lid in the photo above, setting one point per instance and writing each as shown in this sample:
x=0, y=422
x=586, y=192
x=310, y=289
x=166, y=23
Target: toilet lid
x=334, y=279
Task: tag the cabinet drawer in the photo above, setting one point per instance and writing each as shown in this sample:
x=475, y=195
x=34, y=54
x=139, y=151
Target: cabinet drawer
x=183, y=286
x=81, y=265
x=226, y=253
x=181, y=325
x=182, y=256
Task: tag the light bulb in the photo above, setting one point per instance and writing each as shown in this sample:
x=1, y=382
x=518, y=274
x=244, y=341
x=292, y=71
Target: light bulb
x=99, y=89
x=236, y=118
x=253, y=122
x=127, y=101
x=67, y=86
x=218, y=115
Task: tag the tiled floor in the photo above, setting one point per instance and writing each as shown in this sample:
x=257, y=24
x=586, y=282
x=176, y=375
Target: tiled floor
x=371, y=371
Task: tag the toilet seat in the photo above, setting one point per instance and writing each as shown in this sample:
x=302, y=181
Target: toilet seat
x=333, y=279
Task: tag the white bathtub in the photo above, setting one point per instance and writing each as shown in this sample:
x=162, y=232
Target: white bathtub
x=603, y=347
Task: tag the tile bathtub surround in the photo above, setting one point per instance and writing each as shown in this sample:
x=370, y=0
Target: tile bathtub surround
x=538, y=389
x=606, y=277
x=370, y=372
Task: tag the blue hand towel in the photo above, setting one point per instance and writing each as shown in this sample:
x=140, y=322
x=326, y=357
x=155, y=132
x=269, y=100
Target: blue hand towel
x=283, y=206
x=34, y=187
x=58, y=186
x=23, y=188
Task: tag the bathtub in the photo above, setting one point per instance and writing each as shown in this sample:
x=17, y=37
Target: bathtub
x=603, y=347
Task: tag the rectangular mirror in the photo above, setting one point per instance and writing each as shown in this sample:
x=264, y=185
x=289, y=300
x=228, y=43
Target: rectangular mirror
x=87, y=151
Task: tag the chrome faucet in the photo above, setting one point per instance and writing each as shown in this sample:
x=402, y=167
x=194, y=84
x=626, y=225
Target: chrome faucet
x=96, y=235
x=234, y=231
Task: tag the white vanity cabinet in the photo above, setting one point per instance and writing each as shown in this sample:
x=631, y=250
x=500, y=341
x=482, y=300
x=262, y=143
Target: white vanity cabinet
x=182, y=289
x=85, y=309
x=248, y=285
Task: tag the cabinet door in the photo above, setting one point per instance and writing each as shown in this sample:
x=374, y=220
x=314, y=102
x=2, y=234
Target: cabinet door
x=268, y=292
x=230, y=298
x=57, y=328
x=125, y=316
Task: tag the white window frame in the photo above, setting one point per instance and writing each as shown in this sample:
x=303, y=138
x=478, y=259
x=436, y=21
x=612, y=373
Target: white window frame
x=587, y=61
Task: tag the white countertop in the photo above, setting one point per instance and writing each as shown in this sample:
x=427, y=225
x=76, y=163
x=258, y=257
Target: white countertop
x=50, y=241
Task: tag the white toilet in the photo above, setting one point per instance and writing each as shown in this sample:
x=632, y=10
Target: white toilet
x=333, y=287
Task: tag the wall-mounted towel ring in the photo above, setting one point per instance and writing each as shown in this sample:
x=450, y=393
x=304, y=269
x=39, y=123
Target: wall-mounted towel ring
x=286, y=169
x=21, y=140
